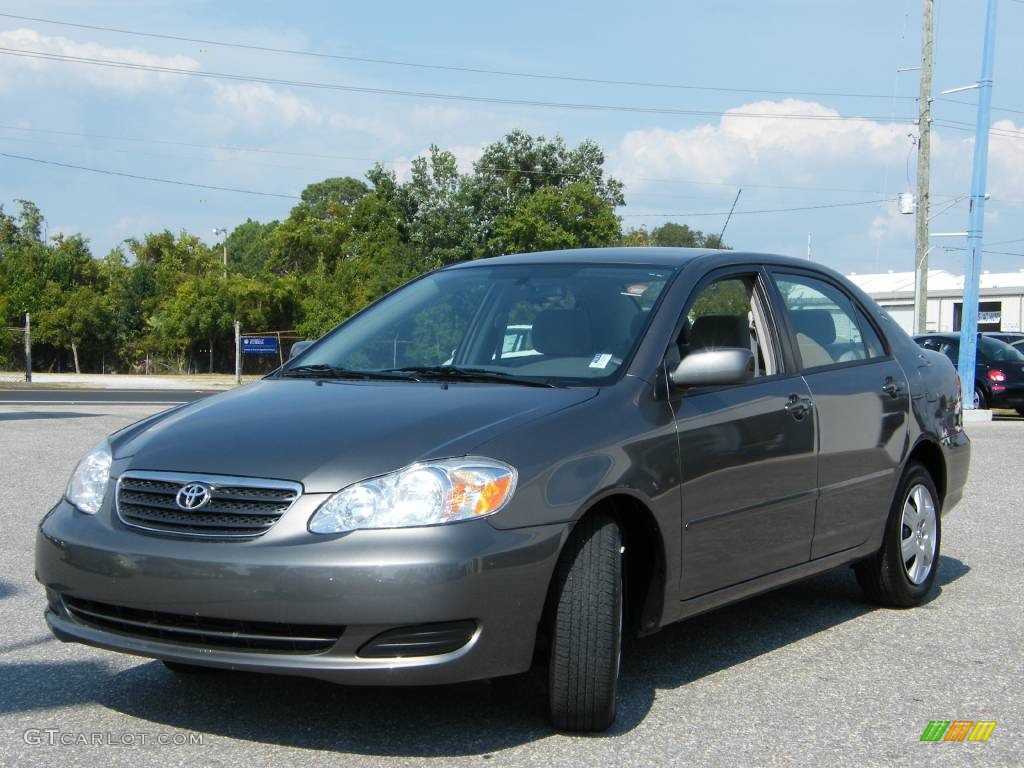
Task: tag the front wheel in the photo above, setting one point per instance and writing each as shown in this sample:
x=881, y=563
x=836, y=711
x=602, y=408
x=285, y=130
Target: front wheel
x=903, y=571
x=586, y=643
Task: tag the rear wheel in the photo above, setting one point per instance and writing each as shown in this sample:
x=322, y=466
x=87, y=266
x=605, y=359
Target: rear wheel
x=980, y=401
x=903, y=571
x=586, y=643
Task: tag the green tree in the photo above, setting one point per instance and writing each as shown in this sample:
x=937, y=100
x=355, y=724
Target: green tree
x=439, y=214
x=249, y=247
x=520, y=165
x=573, y=216
x=324, y=198
x=73, y=318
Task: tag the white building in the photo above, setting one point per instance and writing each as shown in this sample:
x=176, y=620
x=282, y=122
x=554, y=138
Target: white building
x=1001, y=305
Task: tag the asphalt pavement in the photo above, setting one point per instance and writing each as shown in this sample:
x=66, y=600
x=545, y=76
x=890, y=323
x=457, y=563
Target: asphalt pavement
x=807, y=675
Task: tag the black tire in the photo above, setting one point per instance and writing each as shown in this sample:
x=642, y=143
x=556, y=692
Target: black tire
x=1020, y=411
x=980, y=399
x=886, y=576
x=586, y=632
x=180, y=668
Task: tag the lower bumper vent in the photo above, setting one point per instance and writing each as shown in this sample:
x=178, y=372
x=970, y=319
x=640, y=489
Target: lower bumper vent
x=197, y=631
x=420, y=640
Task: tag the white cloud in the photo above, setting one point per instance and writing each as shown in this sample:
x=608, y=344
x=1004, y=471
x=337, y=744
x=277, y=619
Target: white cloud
x=98, y=76
x=743, y=148
x=258, y=104
x=1006, y=162
x=891, y=225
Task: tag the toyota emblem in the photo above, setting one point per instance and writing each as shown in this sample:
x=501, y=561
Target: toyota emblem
x=193, y=496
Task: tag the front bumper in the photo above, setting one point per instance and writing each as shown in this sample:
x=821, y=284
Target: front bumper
x=367, y=581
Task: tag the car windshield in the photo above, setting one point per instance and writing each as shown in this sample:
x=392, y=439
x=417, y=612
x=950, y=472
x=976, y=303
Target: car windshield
x=552, y=323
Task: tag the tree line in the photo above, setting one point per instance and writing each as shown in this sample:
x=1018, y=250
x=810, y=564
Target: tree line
x=166, y=302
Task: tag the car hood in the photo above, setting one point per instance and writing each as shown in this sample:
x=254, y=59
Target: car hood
x=329, y=434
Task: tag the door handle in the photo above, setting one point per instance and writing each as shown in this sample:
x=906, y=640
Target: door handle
x=798, y=406
x=891, y=388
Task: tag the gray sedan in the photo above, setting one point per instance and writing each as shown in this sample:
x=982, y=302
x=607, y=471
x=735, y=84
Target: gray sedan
x=414, y=499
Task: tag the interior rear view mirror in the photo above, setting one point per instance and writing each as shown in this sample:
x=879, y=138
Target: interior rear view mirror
x=299, y=347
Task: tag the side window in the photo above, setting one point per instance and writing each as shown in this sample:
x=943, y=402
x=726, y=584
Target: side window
x=825, y=322
x=950, y=349
x=871, y=338
x=729, y=313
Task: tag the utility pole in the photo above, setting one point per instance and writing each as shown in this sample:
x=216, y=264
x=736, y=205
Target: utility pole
x=28, y=347
x=923, y=171
x=976, y=221
x=238, y=353
x=808, y=246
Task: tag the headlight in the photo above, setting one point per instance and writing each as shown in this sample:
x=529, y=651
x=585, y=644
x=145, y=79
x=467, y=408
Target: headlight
x=422, y=494
x=89, y=481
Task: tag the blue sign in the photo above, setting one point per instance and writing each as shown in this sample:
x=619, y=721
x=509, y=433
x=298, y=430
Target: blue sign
x=259, y=345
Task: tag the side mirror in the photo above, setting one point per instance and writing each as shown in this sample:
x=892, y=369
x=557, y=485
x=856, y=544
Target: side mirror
x=298, y=348
x=714, y=367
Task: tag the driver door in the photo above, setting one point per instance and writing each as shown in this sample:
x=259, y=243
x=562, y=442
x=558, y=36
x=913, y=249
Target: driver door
x=748, y=452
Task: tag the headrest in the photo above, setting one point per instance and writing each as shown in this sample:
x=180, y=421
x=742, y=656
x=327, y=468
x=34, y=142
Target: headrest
x=563, y=333
x=816, y=324
x=720, y=331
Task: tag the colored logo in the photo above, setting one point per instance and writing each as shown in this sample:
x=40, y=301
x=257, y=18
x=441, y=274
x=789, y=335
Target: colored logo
x=958, y=730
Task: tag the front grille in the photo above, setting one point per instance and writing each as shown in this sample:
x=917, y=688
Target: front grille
x=237, y=507
x=197, y=631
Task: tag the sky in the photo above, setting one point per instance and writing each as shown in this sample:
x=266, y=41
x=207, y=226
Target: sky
x=682, y=152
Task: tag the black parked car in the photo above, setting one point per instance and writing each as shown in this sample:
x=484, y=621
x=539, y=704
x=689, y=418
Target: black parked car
x=519, y=459
x=1008, y=337
x=999, y=372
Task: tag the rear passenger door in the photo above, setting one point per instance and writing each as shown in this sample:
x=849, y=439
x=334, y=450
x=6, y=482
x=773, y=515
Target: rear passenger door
x=862, y=401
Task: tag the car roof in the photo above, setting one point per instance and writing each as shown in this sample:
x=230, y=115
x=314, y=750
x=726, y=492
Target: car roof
x=648, y=256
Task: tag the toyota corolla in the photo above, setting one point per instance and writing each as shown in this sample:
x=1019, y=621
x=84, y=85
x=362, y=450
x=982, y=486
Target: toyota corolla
x=515, y=461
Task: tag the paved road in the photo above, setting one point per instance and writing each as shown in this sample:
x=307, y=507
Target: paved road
x=110, y=397
x=807, y=675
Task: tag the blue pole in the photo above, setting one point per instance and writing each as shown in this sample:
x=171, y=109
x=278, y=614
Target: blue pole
x=972, y=263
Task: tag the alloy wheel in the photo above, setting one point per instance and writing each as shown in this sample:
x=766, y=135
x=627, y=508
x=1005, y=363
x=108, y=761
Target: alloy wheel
x=918, y=528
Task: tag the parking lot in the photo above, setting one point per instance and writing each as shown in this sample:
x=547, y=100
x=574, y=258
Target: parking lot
x=810, y=674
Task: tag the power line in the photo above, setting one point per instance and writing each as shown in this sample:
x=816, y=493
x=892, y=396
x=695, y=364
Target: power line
x=449, y=67
x=995, y=253
x=969, y=104
x=1008, y=133
x=672, y=214
x=323, y=156
x=482, y=70
x=177, y=182
x=146, y=178
x=41, y=55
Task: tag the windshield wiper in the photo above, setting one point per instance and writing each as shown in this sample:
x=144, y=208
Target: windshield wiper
x=324, y=371
x=452, y=372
